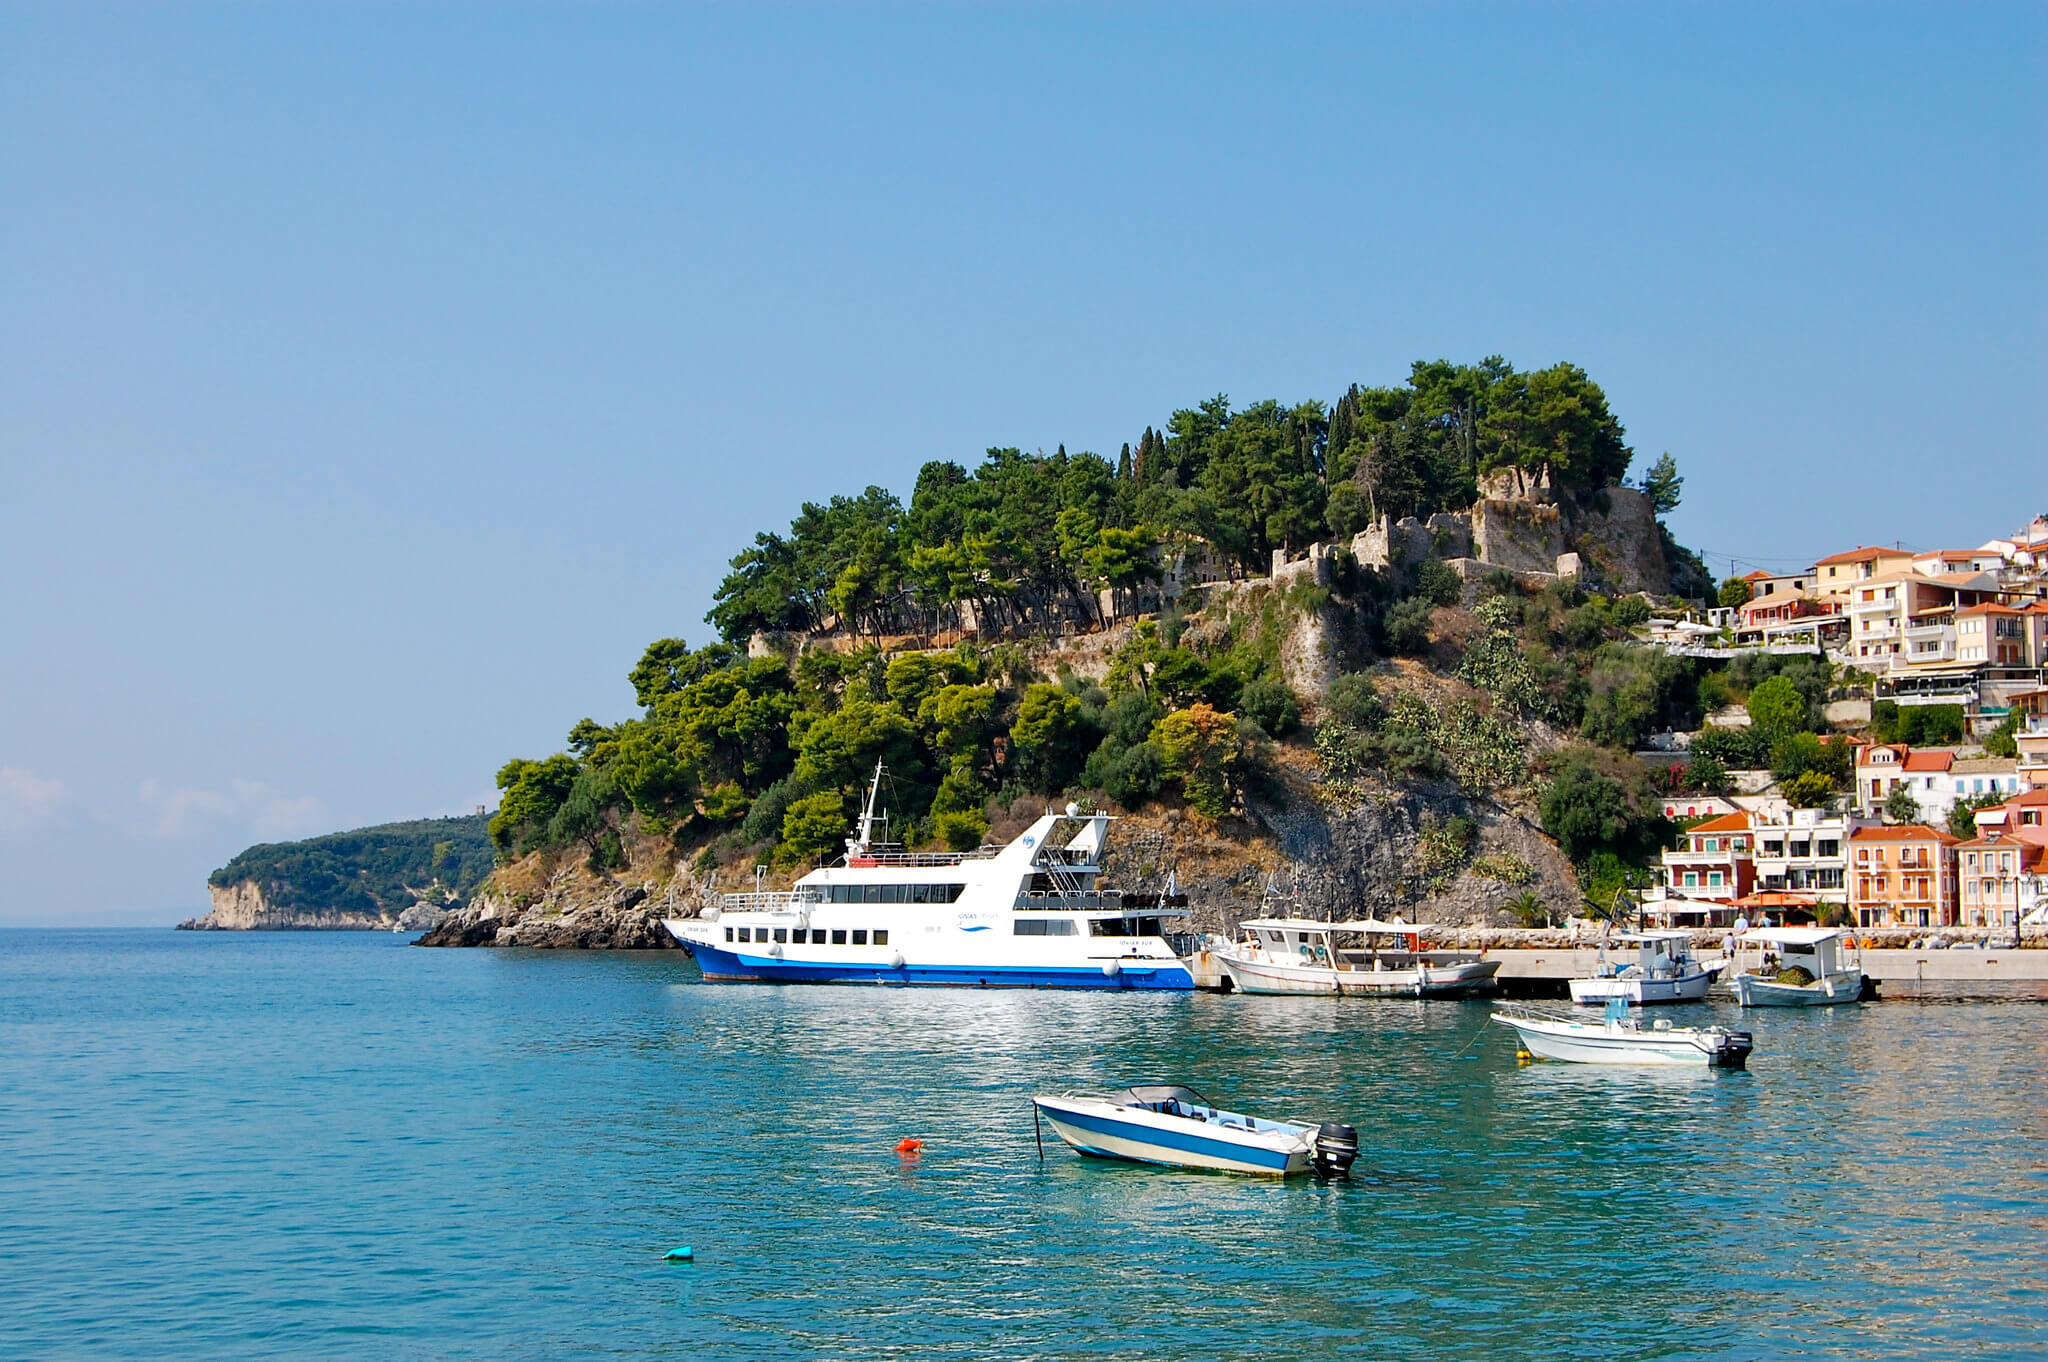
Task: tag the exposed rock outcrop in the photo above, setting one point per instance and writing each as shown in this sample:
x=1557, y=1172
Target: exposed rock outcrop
x=575, y=914
x=1609, y=538
x=242, y=907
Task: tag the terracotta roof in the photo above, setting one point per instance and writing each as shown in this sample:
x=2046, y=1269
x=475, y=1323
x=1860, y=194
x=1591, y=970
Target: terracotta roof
x=1908, y=832
x=1727, y=822
x=1930, y=759
x=1758, y=575
x=1987, y=608
x=1862, y=555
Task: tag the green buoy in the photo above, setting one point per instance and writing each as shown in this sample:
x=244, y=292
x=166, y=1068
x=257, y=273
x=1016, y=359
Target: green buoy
x=680, y=1255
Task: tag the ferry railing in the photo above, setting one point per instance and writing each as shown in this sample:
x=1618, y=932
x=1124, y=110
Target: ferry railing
x=1054, y=901
x=916, y=859
x=762, y=902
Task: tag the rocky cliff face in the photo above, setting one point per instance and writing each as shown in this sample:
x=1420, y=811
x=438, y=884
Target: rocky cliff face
x=577, y=913
x=1378, y=853
x=241, y=907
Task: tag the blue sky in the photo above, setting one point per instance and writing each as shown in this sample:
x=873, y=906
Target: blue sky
x=377, y=380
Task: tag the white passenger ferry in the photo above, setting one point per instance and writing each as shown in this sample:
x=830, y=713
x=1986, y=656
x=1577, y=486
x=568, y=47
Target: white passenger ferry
x=1032, y=914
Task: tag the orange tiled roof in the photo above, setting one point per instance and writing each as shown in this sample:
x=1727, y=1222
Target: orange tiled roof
x=1909, y=832
x=1727, y=822
x=1862, y=555
x=1929, y=759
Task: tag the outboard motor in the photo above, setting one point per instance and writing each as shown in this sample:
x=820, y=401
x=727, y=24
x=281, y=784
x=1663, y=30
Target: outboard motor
x=1336, y=1147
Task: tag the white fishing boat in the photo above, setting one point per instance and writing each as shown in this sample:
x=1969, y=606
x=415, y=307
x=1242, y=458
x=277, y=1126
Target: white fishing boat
x=1795, y=967
x=1367, y=956
x=1618, y=1038
x=1660, y=968
x=1032, y=914
x=1170, y=1124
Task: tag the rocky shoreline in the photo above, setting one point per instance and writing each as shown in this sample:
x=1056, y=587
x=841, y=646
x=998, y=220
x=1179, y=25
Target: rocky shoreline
x=627, y=918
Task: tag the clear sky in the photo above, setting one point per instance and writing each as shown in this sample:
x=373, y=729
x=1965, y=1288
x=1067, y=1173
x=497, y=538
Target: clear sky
x=377, y=380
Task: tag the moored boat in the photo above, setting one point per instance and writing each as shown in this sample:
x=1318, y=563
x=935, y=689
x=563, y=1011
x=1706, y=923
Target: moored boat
x=1031, y=914
x=1364, y=957
x=1618, y=1038
x=1795, y=967
x=1664, y=970
x=1175, y=1125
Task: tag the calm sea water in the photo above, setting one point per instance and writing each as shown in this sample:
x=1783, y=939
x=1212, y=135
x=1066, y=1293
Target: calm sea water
x=335, y=1146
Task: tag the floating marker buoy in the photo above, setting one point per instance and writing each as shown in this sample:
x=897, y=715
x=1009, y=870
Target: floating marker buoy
x=680, y=1255
x=910, y=1145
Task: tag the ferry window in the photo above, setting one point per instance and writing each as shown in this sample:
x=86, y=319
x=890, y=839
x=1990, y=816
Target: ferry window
x=896, y=893
x=860, y=936
x=817, y=936
x=746, y=933
x=1030, y=926
x=1059, y=927
x=871, y=893
x=728, y=933
x=782, y=934
x=839, y=936
x=882, y=937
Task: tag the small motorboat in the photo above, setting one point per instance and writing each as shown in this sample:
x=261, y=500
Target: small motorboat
x=1664, y=970
x=1794, y=967
x=1174, y=1125
x=1618, y=1038
x=1364, y=957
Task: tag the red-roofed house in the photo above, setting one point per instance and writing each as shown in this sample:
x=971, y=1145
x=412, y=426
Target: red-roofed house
x=1882, y=765
x=2002, y=879
x=1715, y=860
x=2003, y=635
x=1834, y=575
x=1766, y=617
x=1906, y=619
x=1902, y=877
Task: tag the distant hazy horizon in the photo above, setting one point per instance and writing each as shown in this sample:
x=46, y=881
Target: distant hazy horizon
x=379, y=381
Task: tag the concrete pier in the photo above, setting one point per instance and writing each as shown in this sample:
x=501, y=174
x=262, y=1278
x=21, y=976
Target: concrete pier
x=1543, y=972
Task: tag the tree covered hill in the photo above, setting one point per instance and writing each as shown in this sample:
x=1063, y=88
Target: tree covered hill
x=375, y=871
x=1029, y=539
x=734, y=759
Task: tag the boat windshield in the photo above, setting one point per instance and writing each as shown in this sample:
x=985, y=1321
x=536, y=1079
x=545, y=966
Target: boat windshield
x=1155, y=1095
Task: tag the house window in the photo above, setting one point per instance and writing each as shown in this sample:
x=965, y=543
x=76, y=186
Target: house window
x=1692, y=879
x=1714, y=879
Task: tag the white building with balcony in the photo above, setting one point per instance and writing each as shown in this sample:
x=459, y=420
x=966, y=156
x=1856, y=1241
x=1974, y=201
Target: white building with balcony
x=1805, y=851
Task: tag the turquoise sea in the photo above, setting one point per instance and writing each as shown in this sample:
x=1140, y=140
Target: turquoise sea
x=333, y=1146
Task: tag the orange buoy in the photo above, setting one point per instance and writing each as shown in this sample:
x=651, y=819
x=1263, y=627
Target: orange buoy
x=909, y=1145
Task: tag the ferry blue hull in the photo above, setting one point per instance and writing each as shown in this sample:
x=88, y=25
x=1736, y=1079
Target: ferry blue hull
x=729, y=967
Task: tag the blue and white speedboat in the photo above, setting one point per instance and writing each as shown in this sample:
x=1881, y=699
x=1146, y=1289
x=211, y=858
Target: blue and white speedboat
x=1032, y=914
x=1170, y=1124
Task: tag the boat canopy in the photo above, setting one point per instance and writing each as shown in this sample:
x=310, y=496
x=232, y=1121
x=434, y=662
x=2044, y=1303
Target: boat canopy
x=1303, y=924
x=1793, y=936
x=1148, y=1094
